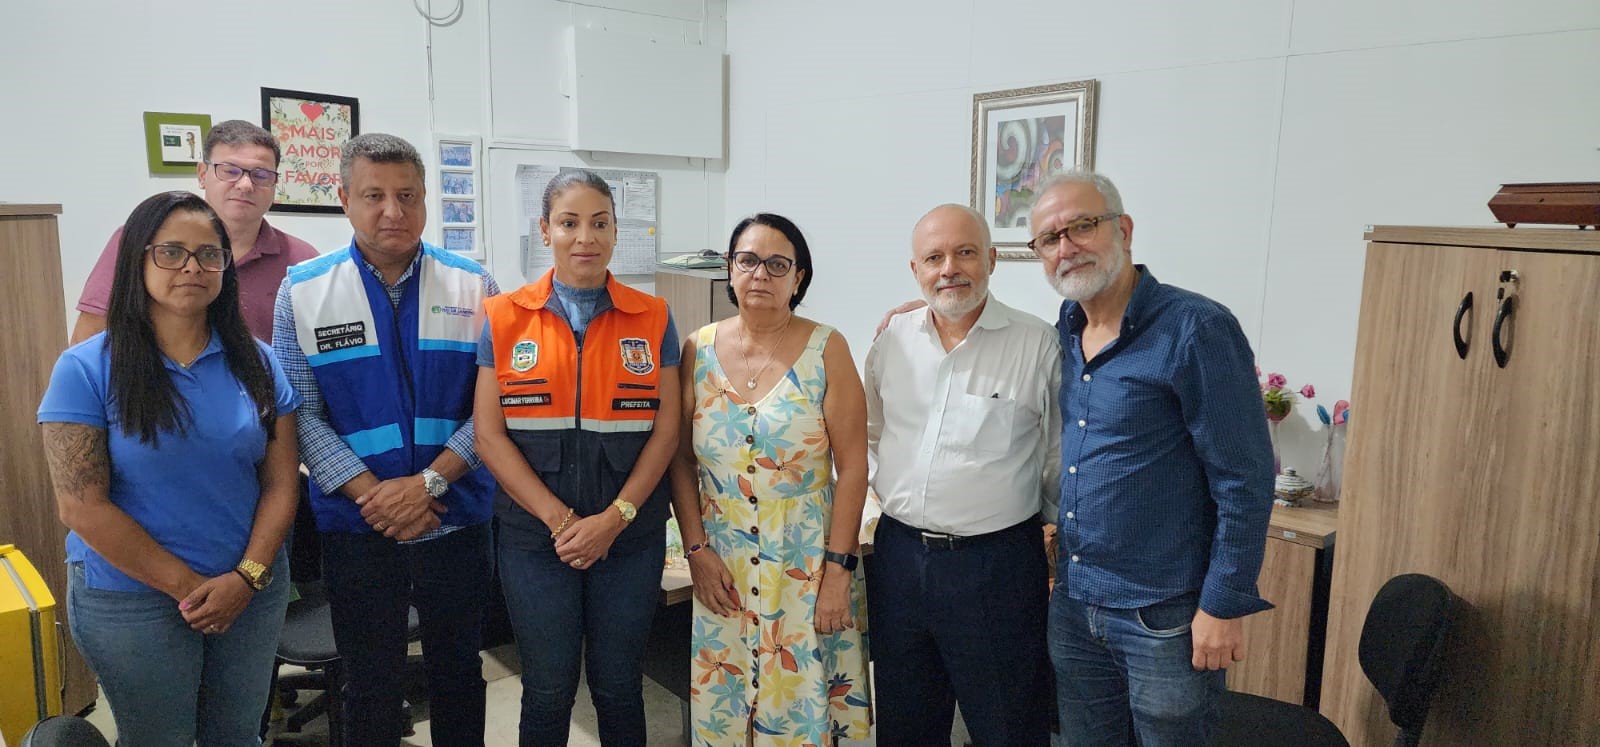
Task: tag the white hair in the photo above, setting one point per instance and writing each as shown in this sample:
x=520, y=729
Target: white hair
x=1100, y=182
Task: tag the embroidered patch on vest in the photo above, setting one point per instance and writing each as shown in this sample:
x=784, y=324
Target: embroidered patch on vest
x=524, y=400
x=636, y=358
x=524, y=355
x=635, y=404
x=341, y=336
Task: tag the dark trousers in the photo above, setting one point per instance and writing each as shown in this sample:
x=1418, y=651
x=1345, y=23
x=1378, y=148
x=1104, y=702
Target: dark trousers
x=371, y=581
x=599, y=616
x=960, y=625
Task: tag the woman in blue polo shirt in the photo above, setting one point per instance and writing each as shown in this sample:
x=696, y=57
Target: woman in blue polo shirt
x=171, y=443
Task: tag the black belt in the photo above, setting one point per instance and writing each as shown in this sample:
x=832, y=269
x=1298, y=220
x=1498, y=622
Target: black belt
x=942, y=541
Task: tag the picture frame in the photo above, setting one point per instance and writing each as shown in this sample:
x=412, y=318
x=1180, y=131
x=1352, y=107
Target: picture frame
x=1020, y=136
x=311, y=130
x=457, y=183
x=461, y=240
x=174, y=142
x=459, y=212
x=458, y=198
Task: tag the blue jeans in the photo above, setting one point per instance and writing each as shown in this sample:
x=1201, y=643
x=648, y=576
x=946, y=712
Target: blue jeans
x=371, y=582
x=1125, y=677
x=960, y=625
x=600, y=616
x=167, y=684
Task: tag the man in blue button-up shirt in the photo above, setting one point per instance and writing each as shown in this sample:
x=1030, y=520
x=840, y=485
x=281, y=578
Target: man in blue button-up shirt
x=1166, y=482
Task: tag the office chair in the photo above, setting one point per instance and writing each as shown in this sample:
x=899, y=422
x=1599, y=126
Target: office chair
x=64, y=731
x=1401, y=651
x=307, y=637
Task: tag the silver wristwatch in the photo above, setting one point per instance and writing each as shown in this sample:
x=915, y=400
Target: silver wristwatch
x=434, y=483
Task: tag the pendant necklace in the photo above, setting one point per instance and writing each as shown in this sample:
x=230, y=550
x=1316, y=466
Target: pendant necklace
x=751, y=382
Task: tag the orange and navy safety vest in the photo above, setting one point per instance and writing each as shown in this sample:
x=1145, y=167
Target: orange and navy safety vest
x=580, y=411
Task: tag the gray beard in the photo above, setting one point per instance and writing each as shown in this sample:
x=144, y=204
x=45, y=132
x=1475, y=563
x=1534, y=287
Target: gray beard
x=1084, y=286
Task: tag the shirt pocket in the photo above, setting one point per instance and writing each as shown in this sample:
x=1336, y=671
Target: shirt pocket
x=979, y=425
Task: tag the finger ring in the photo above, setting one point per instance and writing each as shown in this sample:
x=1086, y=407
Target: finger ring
x=577, y=563
x=211, y=629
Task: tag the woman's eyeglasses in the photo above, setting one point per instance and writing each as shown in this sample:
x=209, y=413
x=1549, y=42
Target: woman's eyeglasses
x=777, y=265
x=176, y=257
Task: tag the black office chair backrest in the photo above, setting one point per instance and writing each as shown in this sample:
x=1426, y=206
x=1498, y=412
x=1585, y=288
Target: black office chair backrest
x=1403, y=644
x=305, y=545
x=64, y=731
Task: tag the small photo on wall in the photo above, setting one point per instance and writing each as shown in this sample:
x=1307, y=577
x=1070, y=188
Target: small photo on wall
x=457, y=183
x=460, y=211
x=174, y=142
x=180, y=143
x=455, y=154
x=461, y=240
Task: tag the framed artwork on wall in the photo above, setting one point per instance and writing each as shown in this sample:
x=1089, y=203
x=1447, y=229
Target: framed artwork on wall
x=173, y=142
x=1020, y=136
x=311, y=130
x=457, y=200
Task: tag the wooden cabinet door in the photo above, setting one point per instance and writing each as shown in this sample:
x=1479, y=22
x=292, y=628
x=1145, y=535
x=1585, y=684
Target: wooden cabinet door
x=1526, y=669
x=1417, y=494
x=1276, y=640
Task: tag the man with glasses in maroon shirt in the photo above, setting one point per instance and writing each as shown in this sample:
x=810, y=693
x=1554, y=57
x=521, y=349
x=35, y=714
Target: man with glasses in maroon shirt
x=238, y=176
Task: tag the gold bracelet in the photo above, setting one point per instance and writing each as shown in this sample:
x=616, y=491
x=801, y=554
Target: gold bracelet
x=563, y=526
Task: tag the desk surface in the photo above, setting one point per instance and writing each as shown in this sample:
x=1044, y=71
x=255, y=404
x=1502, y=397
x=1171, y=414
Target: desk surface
x=1312, y=524
x=676, y=586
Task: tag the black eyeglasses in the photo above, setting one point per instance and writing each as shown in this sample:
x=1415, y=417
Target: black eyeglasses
x=777, y=265
x=230, y=173
x=1078, y=231
x=176, y=257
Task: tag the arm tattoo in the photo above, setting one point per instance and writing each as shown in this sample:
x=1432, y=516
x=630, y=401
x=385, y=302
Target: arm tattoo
x=77, y=457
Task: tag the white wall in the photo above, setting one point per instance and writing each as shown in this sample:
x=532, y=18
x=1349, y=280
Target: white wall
x=1252, y=140
x=76, y=77
x=498, y=74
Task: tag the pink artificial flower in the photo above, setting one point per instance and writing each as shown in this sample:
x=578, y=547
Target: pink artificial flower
x=1339, y=409
x=1308, y=391
x=1277, y=380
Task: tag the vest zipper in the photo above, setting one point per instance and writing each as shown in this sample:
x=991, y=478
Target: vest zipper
x=405, y=374
x=578, y=396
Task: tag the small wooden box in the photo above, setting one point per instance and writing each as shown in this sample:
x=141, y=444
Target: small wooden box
x=1568, y=204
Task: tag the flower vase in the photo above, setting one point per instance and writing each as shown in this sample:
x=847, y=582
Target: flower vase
x=1326, y=482
x=1277, y=458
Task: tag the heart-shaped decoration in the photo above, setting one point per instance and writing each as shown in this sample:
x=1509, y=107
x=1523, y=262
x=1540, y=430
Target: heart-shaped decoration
x=311, y=110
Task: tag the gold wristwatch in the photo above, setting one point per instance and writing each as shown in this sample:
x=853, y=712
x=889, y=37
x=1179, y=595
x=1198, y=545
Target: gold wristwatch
x=254, y=574
x=628, y=510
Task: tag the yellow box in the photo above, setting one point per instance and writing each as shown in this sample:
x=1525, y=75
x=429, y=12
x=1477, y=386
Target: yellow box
x=30, y=647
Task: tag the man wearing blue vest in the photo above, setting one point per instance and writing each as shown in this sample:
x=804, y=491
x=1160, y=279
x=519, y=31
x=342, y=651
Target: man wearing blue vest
x=379, y=338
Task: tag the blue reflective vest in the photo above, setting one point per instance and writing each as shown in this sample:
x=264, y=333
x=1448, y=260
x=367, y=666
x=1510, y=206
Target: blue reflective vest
x=396, y=381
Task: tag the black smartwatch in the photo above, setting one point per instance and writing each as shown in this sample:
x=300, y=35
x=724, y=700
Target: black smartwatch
x=848, y=561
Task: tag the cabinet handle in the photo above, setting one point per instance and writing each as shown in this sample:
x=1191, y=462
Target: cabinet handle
x=1461, y=311
x=1508, y=309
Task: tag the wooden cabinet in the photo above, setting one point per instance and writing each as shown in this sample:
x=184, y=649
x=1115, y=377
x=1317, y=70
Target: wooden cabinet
x=1480, y=472
x=33, y=315
x=697, y=297
x=1284, y=645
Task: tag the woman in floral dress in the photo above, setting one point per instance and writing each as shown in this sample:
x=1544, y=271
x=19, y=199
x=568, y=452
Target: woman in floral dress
x=768, y=491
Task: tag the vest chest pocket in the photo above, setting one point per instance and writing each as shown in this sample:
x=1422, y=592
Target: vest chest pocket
x=622, y=450
x=541, y=449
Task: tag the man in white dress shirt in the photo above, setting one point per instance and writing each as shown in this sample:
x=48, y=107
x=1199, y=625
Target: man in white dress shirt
x=963, y=431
